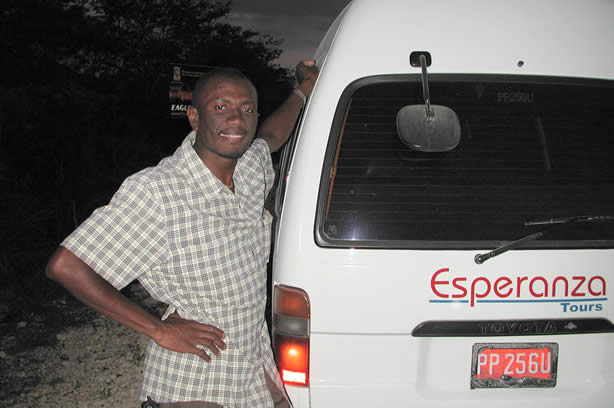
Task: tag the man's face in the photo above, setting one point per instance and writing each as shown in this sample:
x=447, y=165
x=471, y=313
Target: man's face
x=226, y=119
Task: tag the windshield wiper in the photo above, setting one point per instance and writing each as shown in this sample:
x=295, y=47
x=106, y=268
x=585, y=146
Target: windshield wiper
x=566, y=220
x=481, y=258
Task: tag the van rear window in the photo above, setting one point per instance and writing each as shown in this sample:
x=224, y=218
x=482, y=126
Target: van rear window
x=531, y=148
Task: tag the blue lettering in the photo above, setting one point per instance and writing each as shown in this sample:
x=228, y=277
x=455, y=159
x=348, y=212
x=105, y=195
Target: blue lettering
x=587, y=307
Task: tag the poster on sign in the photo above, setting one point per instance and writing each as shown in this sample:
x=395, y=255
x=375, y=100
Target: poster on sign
x=182, y=80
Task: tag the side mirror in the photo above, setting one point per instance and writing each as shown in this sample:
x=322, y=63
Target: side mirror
x=438, y=132
x=427, y=128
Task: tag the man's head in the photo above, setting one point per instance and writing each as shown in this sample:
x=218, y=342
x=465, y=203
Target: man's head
x=224, y=114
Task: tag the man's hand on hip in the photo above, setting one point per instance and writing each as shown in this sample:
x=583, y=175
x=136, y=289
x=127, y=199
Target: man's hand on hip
x=183, y=336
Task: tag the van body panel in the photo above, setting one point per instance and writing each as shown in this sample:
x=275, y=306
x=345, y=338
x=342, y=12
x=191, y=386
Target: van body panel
x=395, y=290
x=474, y=37
x=363, y=370
x=368, y=305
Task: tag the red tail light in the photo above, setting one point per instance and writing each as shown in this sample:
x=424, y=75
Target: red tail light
x=291, y=313
x=293, y=359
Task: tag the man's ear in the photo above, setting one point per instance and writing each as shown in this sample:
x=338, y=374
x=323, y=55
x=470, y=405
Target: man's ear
x=193, y=117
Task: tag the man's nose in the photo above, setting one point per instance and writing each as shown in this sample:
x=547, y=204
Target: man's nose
x=234, y=114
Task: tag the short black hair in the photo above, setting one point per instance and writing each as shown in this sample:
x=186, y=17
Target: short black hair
x=225, y=73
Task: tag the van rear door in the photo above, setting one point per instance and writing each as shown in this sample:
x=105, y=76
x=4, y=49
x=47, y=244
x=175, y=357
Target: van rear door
x=400, y=310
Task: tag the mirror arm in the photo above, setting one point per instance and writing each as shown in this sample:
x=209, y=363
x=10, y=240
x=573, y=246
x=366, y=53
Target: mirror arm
x=425, y=90
x=427, y=128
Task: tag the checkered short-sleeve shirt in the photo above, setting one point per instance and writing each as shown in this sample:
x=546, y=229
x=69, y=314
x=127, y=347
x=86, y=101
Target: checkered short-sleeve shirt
x=202, y=250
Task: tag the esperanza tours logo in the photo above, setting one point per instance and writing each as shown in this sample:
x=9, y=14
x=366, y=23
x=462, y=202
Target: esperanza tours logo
x=575, y=294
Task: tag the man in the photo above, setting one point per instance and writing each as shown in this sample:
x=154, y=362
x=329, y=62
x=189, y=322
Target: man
x=193, y=230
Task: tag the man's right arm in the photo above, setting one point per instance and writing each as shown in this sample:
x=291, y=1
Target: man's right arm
x=276, y=129
x=174, y=333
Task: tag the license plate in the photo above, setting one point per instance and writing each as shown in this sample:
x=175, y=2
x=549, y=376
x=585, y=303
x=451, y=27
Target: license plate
x=514, y=365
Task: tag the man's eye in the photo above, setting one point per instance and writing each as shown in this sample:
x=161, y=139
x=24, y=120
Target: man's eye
x=219, y=107
x=247, y=109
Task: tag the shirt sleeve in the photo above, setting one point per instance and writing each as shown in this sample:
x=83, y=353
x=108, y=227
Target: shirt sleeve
x=125, y=238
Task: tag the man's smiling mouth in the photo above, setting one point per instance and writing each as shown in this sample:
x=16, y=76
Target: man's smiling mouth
x=232, y=134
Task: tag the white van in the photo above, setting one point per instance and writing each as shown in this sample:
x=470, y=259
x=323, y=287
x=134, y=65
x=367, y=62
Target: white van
x=445, y=232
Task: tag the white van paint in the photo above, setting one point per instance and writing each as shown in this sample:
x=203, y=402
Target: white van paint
x=366, y=302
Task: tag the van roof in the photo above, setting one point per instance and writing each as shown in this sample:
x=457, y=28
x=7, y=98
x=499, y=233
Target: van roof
x=569, y=38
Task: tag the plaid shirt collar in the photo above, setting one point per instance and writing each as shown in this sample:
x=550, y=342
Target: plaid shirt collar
x=200, y=173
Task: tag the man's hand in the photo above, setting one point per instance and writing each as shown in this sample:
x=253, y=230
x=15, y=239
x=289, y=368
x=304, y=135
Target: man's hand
x=306, y=70
x=183, y=336
x=276, y=129
x=306, y=75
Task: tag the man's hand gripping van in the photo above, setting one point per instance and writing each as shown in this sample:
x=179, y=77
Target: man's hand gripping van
x=445, y=232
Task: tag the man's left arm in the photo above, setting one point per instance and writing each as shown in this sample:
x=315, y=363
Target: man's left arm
x=276, y=129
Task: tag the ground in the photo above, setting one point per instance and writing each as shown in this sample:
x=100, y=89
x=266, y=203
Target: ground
x=69, y=356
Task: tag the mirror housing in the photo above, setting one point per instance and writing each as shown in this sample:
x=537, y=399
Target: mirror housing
x=434, y=131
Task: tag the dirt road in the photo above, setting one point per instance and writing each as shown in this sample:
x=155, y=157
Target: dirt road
x=94, y=363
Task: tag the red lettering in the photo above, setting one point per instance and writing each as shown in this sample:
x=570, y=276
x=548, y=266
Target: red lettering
x=590, y=286
x=544, y=293
x=556, y=280
x=581, y=280
x=537, y=287
x=519, y=281
x=498, y=286
x=474, y=294
x=462, y=289
x=436, y=282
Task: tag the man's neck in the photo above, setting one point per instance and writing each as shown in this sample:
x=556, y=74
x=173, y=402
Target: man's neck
x=223, y=168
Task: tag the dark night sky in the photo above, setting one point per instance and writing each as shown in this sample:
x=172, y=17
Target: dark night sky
x=300, y=24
